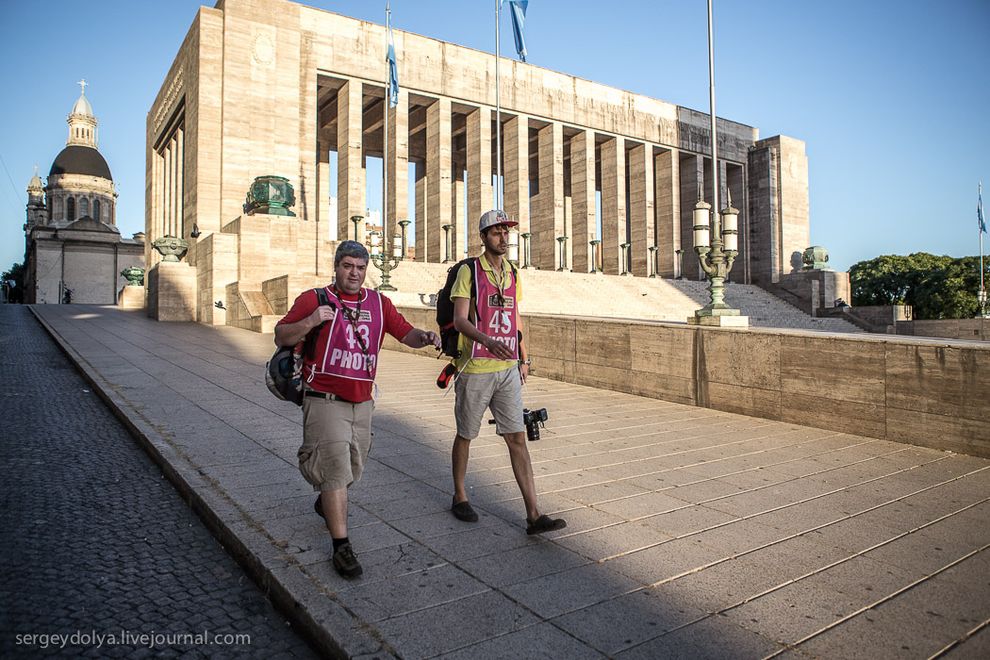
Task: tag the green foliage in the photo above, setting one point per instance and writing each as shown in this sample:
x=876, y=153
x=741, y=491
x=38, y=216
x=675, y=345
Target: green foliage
x=16, y=273
x=937, y=287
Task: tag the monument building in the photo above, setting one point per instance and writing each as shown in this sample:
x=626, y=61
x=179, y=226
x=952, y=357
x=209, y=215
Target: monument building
x=598, y=178
x=73, y=249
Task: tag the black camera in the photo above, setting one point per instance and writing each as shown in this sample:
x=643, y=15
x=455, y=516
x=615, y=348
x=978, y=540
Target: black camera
x=534, y=419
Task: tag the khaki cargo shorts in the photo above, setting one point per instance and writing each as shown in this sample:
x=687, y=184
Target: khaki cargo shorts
x=336, y=442
x=501, y=392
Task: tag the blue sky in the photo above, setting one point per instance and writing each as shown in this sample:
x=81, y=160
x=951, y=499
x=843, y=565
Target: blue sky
x=892, y=98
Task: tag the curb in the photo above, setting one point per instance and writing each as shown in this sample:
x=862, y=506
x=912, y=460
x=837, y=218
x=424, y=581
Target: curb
x=326, y=624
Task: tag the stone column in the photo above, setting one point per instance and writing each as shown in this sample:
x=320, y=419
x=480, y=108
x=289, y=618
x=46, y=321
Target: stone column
x=692, y=185
x=398, y=165
x=583, y=219
x=438, y=162
x=668, y=211
x=548, y=222
x=613, y=203
x=516, y=172
x=169, y=198
x=479, y=162
x=420, y=211
x=641, y=220
x=735, y=177
x=350, y=161
x=460, y=238
x=180, y=220
x=327, y=224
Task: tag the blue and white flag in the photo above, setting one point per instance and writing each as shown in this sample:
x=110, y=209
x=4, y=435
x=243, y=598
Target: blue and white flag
x=393, y=72
x=979, y=211
x=518, y=8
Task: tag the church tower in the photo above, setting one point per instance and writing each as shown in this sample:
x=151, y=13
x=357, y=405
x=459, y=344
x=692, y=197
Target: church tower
x=37, y=214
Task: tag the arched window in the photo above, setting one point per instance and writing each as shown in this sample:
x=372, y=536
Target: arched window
x=96, y=209
x=70, y=209
x=83, y=207
x=57, y=209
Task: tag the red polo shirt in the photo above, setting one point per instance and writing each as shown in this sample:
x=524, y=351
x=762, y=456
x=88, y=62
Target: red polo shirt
x=352, y=390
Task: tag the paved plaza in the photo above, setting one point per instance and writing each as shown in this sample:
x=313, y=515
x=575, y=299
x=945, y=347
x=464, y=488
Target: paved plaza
x=691, y=532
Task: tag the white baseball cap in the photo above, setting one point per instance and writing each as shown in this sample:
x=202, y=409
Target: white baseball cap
x=493, y=217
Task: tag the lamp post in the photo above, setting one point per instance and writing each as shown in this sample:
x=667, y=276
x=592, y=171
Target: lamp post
x=716, y=236
x=654, y=261
x=625, y=258
x=594, y=254
x=716, y=257
x=404, y=224
x=386, y=262
x=513, y=251
x=446, y=242
x=356, y=219
x=562, y=242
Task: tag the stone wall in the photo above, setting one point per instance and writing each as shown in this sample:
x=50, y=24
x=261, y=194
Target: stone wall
x=929, y=393
x=949, y=328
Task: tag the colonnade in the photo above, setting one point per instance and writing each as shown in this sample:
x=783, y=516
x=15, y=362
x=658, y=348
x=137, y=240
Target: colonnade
x=558, y=179
x=168, y=184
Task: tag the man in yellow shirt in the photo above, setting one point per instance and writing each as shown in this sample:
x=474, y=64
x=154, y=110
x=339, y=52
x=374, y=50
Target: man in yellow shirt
x=492, y=367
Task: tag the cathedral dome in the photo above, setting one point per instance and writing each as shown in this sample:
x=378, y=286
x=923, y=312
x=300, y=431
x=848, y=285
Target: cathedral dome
x=76, y=159
x=82, y=106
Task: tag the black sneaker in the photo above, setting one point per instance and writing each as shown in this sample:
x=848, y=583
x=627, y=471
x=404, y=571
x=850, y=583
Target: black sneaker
x=345, y=563
x=464, y=511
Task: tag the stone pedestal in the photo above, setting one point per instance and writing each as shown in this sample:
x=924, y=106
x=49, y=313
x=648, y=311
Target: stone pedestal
x=131, y=297
x=172, y=292
x=736, y=321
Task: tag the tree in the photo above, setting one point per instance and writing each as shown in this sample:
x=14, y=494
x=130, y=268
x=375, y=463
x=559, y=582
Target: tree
x=937, y=287
x=16, y=273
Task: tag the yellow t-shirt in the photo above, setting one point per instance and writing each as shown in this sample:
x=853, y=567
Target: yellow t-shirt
x=462, y=289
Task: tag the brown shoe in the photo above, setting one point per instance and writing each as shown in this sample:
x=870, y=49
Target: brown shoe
x=345, y=563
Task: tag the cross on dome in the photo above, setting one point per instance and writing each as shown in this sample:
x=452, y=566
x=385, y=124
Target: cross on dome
x=82, y=83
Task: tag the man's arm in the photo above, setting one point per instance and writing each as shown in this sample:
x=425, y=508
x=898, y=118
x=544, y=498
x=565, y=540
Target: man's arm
x=417, y=338
x=290, y=334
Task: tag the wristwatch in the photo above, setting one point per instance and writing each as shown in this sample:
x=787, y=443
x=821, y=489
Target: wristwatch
x=527, y=362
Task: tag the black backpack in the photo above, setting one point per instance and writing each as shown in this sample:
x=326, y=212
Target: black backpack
x=283, y=373
x=445, y=306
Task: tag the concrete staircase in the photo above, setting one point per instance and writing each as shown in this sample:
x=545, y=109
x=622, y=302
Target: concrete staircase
x=613, y=296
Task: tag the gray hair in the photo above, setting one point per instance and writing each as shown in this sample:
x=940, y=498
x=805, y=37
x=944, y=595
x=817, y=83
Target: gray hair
x=350, y=249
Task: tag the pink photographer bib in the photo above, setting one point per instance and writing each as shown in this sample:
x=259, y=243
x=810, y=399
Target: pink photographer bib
x=344, y=356
x=496, y=312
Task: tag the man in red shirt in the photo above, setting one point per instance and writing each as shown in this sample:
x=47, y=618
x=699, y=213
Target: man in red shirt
x=340, y=378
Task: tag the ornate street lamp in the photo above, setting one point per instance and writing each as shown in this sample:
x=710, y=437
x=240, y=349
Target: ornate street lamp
x=513, y=252
x=386, y=262
x=716, y=257
x=716, y=236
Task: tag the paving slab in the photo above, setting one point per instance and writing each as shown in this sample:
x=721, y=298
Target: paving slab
x=692, y=532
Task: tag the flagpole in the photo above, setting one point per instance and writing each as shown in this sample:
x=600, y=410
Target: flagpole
x=498, y=109
x=385, y=105
x=980, y=228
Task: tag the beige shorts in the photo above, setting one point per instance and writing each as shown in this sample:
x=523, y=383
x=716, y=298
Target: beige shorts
x=500, y=392
x=336, y=442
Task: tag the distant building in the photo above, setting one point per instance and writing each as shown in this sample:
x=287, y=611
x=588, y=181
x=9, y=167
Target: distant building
x=73, y=249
